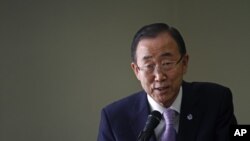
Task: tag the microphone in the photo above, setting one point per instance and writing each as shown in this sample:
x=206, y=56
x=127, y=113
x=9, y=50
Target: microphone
x=153, y=120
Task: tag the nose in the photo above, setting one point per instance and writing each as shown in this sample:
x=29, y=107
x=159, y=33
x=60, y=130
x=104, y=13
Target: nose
x=159, y=74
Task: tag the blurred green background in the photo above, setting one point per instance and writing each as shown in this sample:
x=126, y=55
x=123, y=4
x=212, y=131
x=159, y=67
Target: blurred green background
x=62, y=61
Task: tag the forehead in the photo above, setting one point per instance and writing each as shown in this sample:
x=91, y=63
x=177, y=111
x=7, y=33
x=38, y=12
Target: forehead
x=162, y=45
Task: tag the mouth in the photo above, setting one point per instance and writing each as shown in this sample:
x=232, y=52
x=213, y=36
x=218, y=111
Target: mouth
x=161, y=89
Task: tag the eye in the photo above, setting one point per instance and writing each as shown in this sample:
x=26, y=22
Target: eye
x=167, y=63
x=149, y=66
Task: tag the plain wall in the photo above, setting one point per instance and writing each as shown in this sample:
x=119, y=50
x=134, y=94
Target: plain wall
x=62, y=61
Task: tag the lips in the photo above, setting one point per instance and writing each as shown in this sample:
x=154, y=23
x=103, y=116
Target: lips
x=161, y=88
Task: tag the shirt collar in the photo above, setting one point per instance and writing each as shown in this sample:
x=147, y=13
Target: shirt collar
x=175, y=106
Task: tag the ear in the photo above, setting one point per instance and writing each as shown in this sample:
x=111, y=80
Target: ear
x=185, y=63
x=136, y=70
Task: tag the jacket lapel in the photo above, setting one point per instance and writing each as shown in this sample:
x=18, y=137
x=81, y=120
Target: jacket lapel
x=140, y=111
x=189, y=117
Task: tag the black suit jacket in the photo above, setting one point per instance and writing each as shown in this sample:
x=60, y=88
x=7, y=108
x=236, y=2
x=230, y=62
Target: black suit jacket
x=209, y=104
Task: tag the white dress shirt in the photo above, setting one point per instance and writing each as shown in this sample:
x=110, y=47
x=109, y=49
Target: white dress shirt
x=175, y=106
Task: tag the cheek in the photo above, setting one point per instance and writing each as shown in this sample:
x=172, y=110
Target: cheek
x=146, y=81
x=175, y=76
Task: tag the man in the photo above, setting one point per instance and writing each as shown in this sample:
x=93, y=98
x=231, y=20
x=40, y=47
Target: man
x=201, y=111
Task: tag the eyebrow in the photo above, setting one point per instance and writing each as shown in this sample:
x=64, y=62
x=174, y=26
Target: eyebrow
x=167, y=54
x=147, y=57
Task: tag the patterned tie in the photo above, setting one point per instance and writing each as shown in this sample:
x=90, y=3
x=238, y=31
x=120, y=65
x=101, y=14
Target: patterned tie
x=169, y=133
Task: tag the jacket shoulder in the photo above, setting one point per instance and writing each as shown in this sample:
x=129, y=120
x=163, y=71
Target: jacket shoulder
x=206, y=87
x=207, y=91
x=125, y=104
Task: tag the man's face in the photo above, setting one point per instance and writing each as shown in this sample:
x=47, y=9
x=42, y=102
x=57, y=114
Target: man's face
x=161, y=84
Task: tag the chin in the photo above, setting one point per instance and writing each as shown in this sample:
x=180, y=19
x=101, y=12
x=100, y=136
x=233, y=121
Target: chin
x=165, y=98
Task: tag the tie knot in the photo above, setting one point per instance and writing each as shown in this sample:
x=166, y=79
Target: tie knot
x=169, y=115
